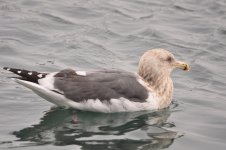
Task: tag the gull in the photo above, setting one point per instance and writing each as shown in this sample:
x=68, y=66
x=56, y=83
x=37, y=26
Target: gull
x=108, y=90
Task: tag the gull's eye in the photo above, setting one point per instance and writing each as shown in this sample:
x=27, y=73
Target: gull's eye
x=169, y=59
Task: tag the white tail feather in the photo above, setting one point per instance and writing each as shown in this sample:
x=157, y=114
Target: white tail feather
x=49, y=95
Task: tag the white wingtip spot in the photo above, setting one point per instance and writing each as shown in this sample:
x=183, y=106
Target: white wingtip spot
x=81, y=73
x=19, y=72
x=8, y=69
x=30, y=73
x=40, y=75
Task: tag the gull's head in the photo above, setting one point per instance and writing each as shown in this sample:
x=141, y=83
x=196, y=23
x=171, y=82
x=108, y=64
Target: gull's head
x=159, y=62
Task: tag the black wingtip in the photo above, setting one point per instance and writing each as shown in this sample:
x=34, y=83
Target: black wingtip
x=32, y=76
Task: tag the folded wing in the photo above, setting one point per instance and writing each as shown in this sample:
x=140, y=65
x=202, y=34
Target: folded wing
x=103, y=85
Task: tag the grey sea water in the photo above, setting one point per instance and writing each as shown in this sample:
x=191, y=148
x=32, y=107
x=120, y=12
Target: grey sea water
x=47, y=35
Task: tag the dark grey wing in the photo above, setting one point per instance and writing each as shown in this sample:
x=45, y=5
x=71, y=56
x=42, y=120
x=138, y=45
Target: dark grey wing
x=102, y=85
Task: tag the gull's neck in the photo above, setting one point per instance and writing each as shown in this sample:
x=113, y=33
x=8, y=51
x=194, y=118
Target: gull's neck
x=159, y=83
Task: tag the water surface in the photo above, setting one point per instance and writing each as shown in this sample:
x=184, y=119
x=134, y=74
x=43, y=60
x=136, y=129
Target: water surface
x=46, y=35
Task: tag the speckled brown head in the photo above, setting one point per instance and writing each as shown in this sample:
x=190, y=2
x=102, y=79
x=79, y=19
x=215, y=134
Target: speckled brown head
x=159, y=62
x=155, y=67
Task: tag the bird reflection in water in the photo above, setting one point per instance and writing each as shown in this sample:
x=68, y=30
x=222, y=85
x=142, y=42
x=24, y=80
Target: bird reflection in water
x=136, y=130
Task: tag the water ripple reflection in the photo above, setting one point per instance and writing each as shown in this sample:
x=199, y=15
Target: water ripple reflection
x=138, y=130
